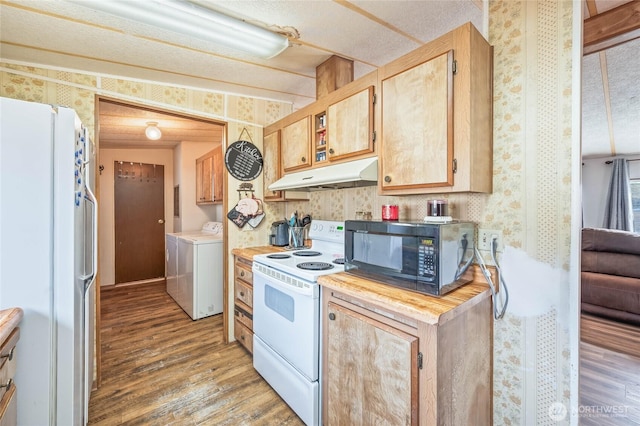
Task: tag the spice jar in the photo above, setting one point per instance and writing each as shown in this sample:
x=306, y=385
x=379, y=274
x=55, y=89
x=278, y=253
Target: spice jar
x=437, y=208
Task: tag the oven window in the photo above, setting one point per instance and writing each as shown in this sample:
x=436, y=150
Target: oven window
x=279, y=302
x=380, y=250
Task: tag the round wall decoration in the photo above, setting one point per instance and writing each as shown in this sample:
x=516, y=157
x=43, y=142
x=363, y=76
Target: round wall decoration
x=243, y=160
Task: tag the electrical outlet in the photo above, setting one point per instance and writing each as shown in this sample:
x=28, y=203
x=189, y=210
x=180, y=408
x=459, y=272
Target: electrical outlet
x=486, y=236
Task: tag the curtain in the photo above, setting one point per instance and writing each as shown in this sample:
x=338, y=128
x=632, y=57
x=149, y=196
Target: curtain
x=618, y=213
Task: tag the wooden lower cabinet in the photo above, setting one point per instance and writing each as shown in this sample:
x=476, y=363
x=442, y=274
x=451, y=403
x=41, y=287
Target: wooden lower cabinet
x=243, y=302
x=374, y=360
x=8, y=366
x=381, y=366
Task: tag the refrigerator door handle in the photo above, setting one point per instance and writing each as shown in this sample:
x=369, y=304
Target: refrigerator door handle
x=89, y=277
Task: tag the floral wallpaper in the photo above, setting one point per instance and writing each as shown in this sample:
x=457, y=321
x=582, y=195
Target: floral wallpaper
x=532, y=43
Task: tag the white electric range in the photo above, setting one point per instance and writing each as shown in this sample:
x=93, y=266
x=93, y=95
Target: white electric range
x=286, y=316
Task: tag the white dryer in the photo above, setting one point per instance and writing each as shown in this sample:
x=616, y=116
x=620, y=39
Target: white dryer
x=194, y=270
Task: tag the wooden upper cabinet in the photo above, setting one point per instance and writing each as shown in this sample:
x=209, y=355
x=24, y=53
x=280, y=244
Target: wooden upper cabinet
x=350, y=126
x=417, y=131
x=218, y=170
x=296, y=145
x=209, y=169
x=271, y=164
x=436, y=117
x=204, y=179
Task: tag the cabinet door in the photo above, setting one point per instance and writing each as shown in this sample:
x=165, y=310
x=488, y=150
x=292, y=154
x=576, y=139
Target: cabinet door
x=271, y=164
x=350, y=126
x=417, y=126
x=204, y=180
x=296, y=145
x=218, y=169
x=371, y=374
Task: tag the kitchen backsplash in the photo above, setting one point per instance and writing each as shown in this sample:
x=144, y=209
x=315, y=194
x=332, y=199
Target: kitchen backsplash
x=342, y=204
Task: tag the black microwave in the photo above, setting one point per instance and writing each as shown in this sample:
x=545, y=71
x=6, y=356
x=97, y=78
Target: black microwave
x=423, y=257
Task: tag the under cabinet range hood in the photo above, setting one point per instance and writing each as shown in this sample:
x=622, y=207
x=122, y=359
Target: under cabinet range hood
x=344, y=175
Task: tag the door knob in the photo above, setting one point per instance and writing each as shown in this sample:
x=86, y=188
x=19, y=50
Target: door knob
x=161, y=221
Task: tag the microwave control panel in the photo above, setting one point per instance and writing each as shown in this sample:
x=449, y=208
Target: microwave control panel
x=427, y=259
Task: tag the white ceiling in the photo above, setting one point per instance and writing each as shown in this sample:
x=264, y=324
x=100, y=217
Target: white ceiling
x=610, y=95
x=62, y=34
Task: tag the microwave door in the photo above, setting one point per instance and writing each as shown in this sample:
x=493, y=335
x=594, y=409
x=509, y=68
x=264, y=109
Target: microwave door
x=379, y=250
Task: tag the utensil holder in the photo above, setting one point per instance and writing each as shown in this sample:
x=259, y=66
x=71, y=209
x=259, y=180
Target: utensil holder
x=296, y=236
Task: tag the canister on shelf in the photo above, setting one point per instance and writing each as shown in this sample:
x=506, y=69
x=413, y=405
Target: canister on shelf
x=390, y=212
x=437, y=208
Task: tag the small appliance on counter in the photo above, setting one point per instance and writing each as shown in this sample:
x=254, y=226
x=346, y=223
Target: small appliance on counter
x=279, y=233
x=431, y=258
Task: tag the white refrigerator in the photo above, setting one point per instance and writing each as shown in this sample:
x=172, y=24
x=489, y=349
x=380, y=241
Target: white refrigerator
x=48, y=236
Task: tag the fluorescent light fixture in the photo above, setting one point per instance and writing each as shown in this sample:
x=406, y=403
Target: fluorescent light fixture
x=186, y=18
x=153, y=131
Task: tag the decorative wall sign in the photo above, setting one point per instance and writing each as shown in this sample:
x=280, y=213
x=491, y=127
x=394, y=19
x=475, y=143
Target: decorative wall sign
x=243, y=160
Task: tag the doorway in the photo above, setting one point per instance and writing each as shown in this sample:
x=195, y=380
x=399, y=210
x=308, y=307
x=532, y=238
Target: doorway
x=120, y=136
x=139, y=221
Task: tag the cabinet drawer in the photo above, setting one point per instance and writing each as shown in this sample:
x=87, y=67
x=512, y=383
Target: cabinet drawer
x=243, y=272
x=244, y=293
x=9, y=408
x=244, y=317
x=243, y=335
x=8, y=361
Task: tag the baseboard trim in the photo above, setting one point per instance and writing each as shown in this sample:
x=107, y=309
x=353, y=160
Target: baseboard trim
x=153, y=281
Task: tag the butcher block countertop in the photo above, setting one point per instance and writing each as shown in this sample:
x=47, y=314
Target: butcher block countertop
x=9, y=319
x=421, y=307
x=249, y=252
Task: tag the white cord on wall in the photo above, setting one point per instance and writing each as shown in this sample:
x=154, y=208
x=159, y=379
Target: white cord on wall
x=497, y=313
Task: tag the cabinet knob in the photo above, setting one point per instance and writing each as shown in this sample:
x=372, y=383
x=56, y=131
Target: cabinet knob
x=387, y=179
x=331, y=151
x=303, y=159
x=242, y=293
x=242, y=337
x=8, y=385
x=242, y=273
x=332, y=316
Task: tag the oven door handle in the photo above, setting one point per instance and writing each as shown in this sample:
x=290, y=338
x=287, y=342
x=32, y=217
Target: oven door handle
x=273, y=282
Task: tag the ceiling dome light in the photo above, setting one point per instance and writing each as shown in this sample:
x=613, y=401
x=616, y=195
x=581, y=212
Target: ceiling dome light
x=153, y=131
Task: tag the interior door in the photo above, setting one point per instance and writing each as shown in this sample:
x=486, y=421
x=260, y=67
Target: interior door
x=139, y=221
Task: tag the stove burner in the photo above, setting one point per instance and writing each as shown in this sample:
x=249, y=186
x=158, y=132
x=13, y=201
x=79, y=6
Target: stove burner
x=306, y=253
x=339, y=261
x=315, y=266
x=278, y=256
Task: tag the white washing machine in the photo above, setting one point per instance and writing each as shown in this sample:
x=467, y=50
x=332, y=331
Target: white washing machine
x=194, y=270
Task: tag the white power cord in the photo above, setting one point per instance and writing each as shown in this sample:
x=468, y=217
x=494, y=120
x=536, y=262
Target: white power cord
x=497, y=313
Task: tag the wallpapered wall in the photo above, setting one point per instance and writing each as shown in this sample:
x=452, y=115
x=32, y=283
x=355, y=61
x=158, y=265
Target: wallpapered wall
x=530, y=203
x=535, y=341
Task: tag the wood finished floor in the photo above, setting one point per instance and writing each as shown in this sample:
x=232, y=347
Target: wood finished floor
x=609, y=387
x=161, y=368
